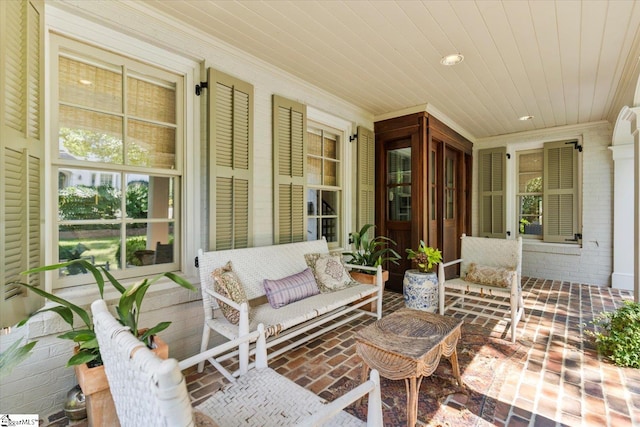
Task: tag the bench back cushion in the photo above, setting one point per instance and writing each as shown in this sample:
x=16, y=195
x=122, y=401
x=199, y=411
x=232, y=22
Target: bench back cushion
x=253, y=265
x=491, y=253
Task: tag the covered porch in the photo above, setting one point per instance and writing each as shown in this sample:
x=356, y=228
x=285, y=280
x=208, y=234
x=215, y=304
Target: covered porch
x=552, y=376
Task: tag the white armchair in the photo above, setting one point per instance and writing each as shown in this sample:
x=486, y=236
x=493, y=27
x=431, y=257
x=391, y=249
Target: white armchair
x=489, y=268
x=148, y=391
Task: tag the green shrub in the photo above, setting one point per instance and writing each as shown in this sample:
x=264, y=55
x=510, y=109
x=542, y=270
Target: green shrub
x=617, y=334
x=133, y=244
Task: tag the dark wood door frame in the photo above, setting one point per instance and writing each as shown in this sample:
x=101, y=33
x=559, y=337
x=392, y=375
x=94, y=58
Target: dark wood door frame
x=429, y=140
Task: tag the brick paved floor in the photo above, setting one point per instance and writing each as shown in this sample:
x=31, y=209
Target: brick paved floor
x=558, y=380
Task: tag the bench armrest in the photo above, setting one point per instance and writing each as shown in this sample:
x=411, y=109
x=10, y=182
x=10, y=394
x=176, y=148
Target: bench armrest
x=447, y=264
x=222, y=298
x=374, y=412
x=361, y=267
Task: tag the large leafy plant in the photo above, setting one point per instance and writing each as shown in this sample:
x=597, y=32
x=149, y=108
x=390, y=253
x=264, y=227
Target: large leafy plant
x=425, y=257
x=128, y=309
x=617, y=334
x=372, y=251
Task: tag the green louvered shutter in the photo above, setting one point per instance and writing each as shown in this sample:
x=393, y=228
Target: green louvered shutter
x=366, y=177
x=230, y=151
x=491, y=192
x=21, y=154
x=560, y=199
x=289, y=170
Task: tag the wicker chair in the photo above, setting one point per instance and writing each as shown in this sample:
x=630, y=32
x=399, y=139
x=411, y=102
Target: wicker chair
x=480, y=298
x=149, y=391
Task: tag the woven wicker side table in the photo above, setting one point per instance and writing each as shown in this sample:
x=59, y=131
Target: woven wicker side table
x=407, y=345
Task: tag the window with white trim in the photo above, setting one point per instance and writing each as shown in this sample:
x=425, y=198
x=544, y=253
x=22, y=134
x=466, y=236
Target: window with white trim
x=547, y=198
x=324, y=192
x=118, y=161
x=529, y=193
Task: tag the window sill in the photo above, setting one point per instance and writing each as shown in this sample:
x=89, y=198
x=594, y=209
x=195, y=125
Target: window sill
x=551, y=248
x=162, y=294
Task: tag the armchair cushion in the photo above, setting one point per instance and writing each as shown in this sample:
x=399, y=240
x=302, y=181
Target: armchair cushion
x=227, y=283
x=291, y=288
x=329, y=271
x=490, y=276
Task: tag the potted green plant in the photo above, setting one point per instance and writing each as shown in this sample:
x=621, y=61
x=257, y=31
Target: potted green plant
x=86, y=358
x=425, y=257
x=420, y=286
x=370, y=252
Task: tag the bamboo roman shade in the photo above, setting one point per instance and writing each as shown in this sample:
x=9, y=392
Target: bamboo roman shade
x=91, y=104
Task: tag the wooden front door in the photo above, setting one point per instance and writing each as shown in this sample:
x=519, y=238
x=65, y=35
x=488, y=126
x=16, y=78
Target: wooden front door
x=397, y=202
x=451, y=211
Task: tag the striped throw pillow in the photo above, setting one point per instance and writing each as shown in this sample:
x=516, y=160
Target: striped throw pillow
x=291, y=288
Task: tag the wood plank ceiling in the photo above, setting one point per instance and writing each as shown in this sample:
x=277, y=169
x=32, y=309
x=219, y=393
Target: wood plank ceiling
x=563, y=62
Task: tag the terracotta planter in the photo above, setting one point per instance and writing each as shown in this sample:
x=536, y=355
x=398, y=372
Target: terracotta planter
x=101, y=411
x=369, y=279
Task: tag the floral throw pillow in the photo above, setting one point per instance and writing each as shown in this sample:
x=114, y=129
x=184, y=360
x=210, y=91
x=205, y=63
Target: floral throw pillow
x=227, y=283
x=329, y=271
x=490, y=276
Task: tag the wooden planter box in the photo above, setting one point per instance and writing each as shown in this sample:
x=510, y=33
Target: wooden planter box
x=369, y=279
x=101, y=411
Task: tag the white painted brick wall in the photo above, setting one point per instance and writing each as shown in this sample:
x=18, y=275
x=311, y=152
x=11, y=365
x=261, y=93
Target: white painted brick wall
x=40, y=384
x=593, y=263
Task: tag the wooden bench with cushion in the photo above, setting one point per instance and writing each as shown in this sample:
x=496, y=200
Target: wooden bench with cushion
x=290, y=288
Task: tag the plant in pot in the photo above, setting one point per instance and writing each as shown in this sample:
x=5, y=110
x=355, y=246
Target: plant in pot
x=86, y=358
x=370, y=252
x=420, y=286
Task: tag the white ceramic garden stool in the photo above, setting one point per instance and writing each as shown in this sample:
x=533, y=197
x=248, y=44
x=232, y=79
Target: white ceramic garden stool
x=420, y=290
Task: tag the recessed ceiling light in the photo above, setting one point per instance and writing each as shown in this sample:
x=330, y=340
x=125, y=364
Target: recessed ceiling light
x=85, y=82
x=452, y=59
x=525, y=118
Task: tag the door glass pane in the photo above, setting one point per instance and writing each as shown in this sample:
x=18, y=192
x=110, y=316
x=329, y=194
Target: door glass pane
x=399, y=166
x=432, y=180
x=399, y=184
x=399, y=208
x=449, y=188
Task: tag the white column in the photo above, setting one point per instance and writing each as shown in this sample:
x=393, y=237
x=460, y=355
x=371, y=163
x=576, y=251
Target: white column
x=632, y=117
x=623, y=217
x=636, y=141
